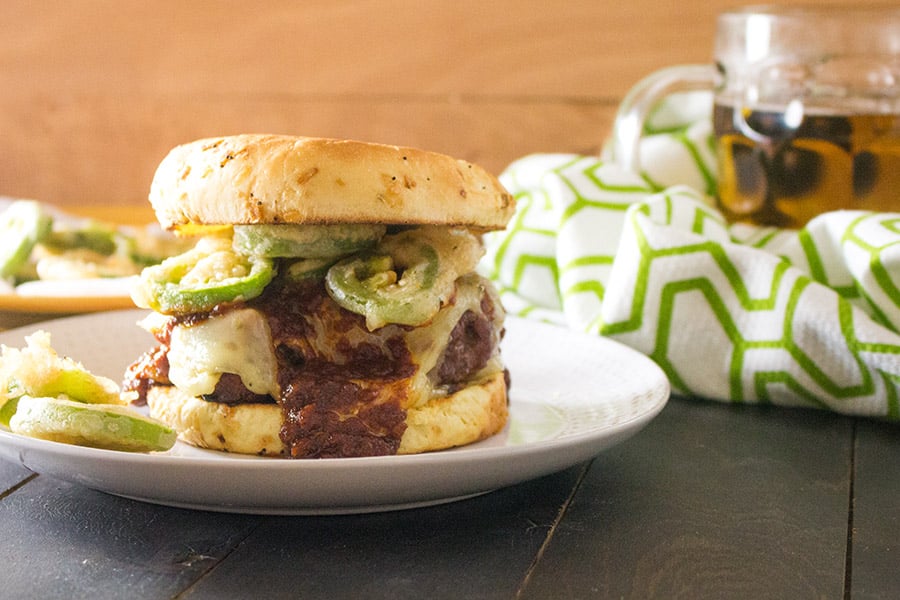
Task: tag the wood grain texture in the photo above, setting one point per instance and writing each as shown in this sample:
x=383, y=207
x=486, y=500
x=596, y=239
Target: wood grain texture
x=62, y=540
x=490, y=133
x=65, y=541
x=12, y=476
x=876, y=512
x=709, y=502
x=478, y=548
x=95, y=92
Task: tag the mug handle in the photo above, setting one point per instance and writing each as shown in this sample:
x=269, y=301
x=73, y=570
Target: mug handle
x=643, y=97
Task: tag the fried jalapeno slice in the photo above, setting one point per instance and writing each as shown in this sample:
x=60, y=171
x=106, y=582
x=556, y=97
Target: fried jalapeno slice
x=22, y=225
x=369, y=285
x=209, y=274
x=406, y=278
x=306, y=241
x=97, y=425
x=403, y=278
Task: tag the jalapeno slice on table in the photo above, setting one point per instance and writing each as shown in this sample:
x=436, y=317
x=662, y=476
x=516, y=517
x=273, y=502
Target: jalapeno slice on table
x=307, y=241
x=211, y=273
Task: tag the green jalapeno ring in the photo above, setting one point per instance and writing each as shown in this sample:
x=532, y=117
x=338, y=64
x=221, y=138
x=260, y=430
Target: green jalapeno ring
x=306, y=241
x=71, y=381
x=7, y=410
x=178, y=298
x=345, y=280
x=199, y=279
x=97, y=425
x=22, y=225
x=92, y=235
x=363, y=284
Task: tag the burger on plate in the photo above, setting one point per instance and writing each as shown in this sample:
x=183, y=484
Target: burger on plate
x=330, y=306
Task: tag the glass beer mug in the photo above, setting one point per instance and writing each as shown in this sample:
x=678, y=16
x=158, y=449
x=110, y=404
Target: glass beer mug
x=806, y=111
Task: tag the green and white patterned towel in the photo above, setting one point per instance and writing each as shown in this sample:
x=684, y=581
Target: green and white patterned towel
x=732, y=313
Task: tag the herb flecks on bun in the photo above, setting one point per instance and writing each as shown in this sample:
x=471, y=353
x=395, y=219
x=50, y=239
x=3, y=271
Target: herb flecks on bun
x=331, y=306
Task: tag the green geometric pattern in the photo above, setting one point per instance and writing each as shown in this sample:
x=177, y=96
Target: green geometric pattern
x=739, y=313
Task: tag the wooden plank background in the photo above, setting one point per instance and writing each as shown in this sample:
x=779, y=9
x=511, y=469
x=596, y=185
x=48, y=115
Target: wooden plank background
x=94, y=92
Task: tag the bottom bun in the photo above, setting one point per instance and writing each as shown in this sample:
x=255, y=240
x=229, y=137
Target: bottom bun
x=471, y=414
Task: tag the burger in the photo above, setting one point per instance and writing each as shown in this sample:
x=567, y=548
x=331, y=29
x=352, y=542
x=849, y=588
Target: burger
x=330, y=306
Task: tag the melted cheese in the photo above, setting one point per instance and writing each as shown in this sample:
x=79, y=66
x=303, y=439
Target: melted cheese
x=240, y=342
x=427, y=344
x=237, y=342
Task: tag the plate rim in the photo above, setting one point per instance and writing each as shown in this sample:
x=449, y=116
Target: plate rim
x=653, y=396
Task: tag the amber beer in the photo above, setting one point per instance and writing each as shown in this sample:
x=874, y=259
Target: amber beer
x=775, y=173
x=817, y=124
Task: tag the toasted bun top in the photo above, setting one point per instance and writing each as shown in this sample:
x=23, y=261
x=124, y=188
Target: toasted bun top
x=252, y=178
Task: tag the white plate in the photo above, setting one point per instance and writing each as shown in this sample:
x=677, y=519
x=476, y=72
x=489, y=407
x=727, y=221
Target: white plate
x=76, y=295
x=572, y=396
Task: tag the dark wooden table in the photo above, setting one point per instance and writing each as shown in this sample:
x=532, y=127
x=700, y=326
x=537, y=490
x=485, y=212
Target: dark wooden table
x=709, y=501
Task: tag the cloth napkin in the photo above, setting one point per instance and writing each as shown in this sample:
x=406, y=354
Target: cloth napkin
x=735, y=313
